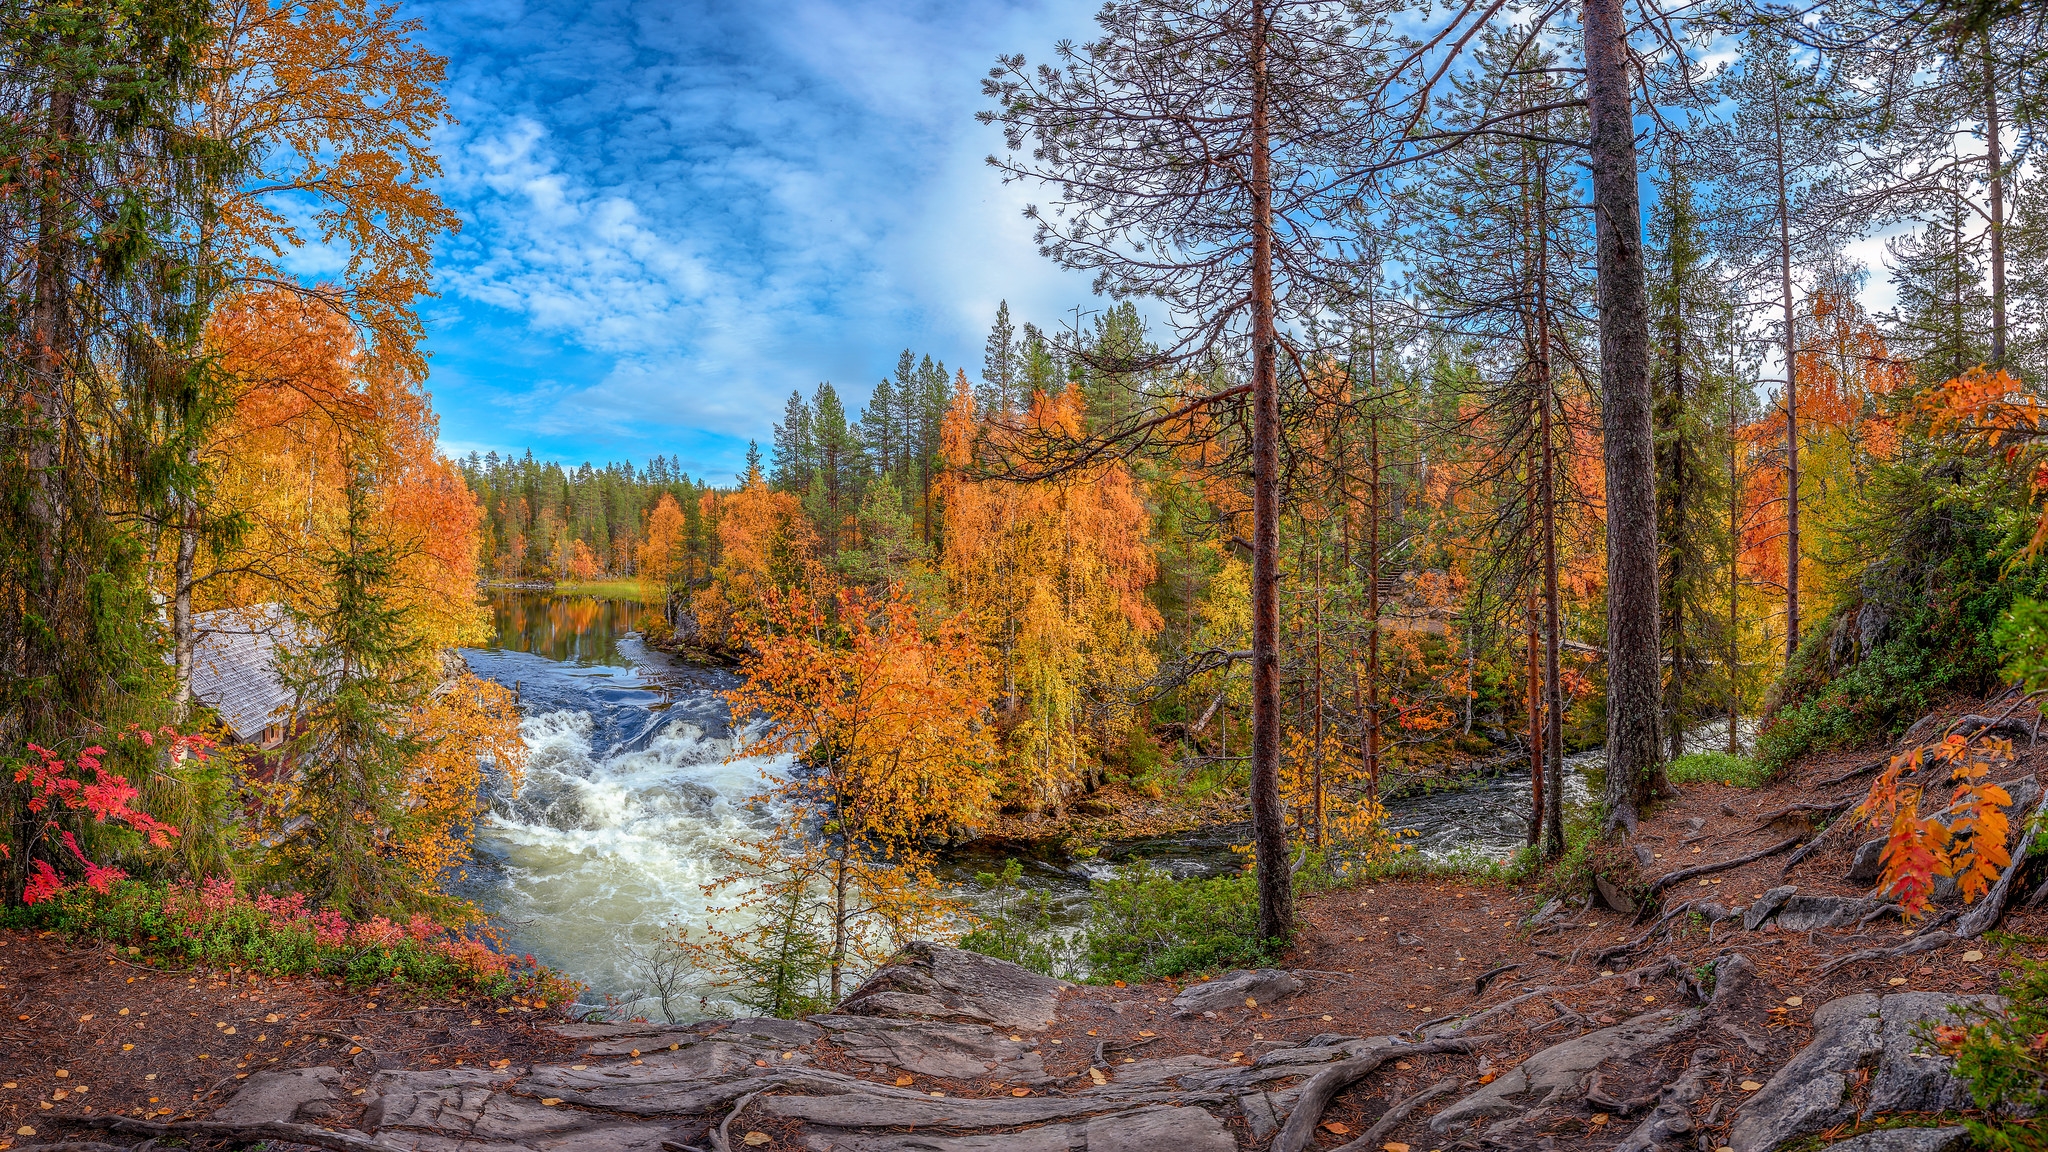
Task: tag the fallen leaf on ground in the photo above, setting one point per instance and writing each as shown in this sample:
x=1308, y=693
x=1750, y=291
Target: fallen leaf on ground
x=1750, y=1085
x=755, y=1139
x=1972, y=956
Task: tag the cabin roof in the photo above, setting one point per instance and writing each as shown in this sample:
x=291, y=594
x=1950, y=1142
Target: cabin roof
x=234, y=667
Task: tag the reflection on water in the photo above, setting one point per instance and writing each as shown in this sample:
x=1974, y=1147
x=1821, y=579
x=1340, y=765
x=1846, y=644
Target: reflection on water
x=575, y=629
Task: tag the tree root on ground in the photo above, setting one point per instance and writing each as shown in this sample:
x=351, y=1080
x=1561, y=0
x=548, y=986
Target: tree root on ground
x=1926, y=943
x=1820, y=810
x=721, y=1135
x=1672, y=1116
x=311, y=1134
x=1670, y=878
x=1324, y=1086
x=1370, y=1142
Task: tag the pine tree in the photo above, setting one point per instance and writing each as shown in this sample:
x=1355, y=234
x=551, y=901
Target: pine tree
x=1000, y=371
x=795, y=447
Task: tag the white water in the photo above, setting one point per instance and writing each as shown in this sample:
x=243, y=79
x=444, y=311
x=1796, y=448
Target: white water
x=629, y=797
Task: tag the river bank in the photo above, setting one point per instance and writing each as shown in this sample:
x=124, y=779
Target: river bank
x=1515, y=977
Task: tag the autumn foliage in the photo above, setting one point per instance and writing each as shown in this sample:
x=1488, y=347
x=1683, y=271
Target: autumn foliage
x=1964, y=841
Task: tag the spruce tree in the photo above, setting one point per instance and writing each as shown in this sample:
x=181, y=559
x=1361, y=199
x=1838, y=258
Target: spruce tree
x=997, y=396
x=355, y=679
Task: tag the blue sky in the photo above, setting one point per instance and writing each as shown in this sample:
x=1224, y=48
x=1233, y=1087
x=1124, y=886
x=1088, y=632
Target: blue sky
x=674, y=213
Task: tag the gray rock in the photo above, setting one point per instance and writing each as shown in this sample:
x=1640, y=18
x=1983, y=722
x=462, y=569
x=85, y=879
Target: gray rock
x=444, y=1100
x=1904, y=1140
x=684, y=1083
x=929, y=981
x=1235, y=990
x=1911, y=1077
x=1868, y=863
x=1613, y=897
x=930, y=1048
x=1766, y=904
x=1259, y=1115
x=1879, y=1034
x=1555, y=1074
x=1810, y=1092
x=1153, y=1129
x=767, y=1032
x=276, y=1097
x=1805, y=913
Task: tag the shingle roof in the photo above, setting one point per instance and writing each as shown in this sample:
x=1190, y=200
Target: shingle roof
x=233, y=667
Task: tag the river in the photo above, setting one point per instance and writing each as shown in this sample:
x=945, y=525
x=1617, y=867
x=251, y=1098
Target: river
x=631, y=791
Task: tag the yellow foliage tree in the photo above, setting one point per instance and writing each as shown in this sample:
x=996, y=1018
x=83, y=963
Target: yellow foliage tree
x=1053, y=574
x=886, y=716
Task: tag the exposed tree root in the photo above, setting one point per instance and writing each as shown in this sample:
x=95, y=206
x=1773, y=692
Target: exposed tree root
x=1670, y=878
x=1324, y=1086
x=1926, y=943
x=721, y=1136
x=311, y=1134
x=1480, y=981
x=1853, y=773
x=1821, y=810
x=1672, y=1117
x=1626, y=948
x=1399, y=1112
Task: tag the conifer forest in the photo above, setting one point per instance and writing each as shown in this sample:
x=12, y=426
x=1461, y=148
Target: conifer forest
x=1481, y=444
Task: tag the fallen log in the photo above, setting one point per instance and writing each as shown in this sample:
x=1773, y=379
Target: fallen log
x=1324, y=1086
x=1670, y=878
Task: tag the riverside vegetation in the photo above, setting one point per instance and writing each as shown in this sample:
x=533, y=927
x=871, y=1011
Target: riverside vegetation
x=1420, y=474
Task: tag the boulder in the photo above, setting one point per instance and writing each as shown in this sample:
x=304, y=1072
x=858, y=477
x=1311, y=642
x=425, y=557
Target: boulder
x=1810, y=1092
x=277, y=1097
x=1805, y=913
x=1237, y=989
x=932, y=1048
x=1556, y=1074
x=929, y=981
x=1911, y=1077
x=1880, y=1035
x=1868, y=863
x=1754, y=916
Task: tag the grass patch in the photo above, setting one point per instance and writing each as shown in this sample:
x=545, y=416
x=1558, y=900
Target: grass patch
x=632, y=590
x=179, y=924
x=1717, y=768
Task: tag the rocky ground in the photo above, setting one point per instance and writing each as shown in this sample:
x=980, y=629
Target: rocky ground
x=1766, y=1003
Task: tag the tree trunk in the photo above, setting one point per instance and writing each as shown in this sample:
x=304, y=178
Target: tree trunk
x=1537, y=807
x=182, y=632
x=1734, y=570
x=1791, y=392
x=1553, y=687
x=1372, y=610
x=1269, y=830
x=1635, y=774
x=1994, y=177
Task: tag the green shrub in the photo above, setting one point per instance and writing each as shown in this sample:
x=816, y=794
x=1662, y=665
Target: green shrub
x=2002, y=1060
x=1717, y=768
x=1019, y=926
x=1146, y=925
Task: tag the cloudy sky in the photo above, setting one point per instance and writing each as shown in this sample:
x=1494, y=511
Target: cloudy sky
x=676, y=212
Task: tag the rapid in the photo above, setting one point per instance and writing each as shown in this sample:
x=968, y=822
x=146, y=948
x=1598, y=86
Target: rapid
x=631, y=792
